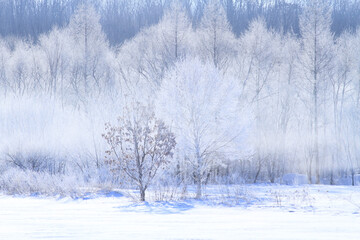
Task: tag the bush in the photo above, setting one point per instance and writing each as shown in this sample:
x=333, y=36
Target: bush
x=37, y=161
x=26, y=182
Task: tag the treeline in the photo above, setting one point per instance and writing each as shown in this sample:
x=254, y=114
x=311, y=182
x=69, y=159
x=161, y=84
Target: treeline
x=121, y=19
x=195, y=104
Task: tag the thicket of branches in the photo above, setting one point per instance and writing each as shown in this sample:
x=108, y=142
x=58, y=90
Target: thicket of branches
x=247, y=108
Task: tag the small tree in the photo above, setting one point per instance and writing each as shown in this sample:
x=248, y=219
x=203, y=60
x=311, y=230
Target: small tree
x=139, y=145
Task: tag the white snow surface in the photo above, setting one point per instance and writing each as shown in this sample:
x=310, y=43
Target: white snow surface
x=236, y=212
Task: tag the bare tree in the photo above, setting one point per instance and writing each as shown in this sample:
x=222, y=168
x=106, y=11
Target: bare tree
x=139, y=145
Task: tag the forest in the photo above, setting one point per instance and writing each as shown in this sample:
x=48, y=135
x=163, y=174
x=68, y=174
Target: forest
x=171, y=94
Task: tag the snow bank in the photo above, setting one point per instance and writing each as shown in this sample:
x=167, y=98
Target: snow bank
x=294, y=179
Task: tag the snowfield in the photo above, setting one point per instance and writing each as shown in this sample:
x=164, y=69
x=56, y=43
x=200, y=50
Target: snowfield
x=237, y=212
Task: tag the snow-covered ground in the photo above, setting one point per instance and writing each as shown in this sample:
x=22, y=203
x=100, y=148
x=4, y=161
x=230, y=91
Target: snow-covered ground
x=238, y=212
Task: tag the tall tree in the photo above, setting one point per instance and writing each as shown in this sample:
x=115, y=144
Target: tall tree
x=90, y=49
x=176, y=30
x=257, y=69
x=317, y=56
x=57, y=57
x=216, y=40
x=202, y=109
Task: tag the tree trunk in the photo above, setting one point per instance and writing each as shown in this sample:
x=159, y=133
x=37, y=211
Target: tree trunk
x=316, y=129
x=198, y=188
x=198, y=170
x=309, y=171
x=332, y=181
x=142, y=195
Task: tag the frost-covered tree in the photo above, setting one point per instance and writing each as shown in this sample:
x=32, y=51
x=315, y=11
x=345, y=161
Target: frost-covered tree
x=287, y=104
x=139, y=145
x=258, y=67
x=56, y=57
x=200, y=105
x=259, y=55
x=350, y=143
x=216, y=42
x=341, y=92
x=176, y=32
x=316, y=60
x=19, y=69
x=90, y=54
x=4, y=57
x=140, y=64
x=143, y=61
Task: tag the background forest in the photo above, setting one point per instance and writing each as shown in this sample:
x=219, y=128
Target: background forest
x=218, y=92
